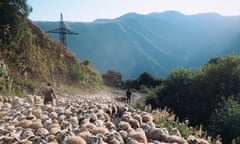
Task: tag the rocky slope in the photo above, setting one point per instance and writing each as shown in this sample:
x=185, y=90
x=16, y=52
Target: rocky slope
x=38, y=59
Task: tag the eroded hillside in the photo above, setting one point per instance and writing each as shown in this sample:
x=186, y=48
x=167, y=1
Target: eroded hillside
x=38, y=59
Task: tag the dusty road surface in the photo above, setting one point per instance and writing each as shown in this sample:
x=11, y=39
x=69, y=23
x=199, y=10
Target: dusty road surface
x=120, y=94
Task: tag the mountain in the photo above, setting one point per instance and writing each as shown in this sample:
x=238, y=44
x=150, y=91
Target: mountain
x=156, y=43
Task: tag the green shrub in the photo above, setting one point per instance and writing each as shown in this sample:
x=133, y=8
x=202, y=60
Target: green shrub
x=167, y=119
x=87, y=62
x=1, y=72
x=226, y=121
x=77, y=73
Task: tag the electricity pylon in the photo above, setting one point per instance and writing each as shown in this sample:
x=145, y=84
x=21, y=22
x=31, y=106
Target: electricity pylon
x=62, y=31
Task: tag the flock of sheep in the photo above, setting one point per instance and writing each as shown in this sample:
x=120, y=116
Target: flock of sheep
x=89, y=119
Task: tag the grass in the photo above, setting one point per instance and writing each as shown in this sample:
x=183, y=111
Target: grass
x=165, y=118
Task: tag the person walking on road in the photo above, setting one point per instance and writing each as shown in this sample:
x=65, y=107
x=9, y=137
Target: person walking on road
x=128, y=94
x=49, y=95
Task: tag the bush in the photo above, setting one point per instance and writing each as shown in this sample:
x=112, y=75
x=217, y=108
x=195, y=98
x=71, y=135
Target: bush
x=1, y=72
x=113, y=78
x=226, y=121
x=87, y=62
x=77, y=73
x=167, y=119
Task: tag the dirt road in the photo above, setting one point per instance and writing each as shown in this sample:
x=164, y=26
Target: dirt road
x=120, y=95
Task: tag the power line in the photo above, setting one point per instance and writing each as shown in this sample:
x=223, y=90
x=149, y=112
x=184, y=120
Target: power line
x=62, y=31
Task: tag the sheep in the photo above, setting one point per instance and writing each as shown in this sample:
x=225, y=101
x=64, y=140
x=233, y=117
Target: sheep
x=53, y=115
x=37, y=140
x=29, y=99
x=125, y=117
x=124, y=125
x=36, y=124
x=53, y=123
x=6, y=106
x=89, y=126
x=24, y=123
x=110, y=126
x=98, y=139
x=85, y=134
x=27, y=134
x=175, y=132
x=105, y=122
x=134, y=123
x=136, y=135
x=68, y=113
x=114, y=137
x=138, y=118
x=37, y=112
x=7, y=140
x=73, y=120
x=61, y=135
x=153, y=133
x=54, y=130
x=51, y=139
x=192, y=140
x=3, y=113
x=139, y=135
x=132, y=141
x=17, y=102
x=75, y=140
x=99, y=123
x=42, y=132
x=37, y=100
x=48, y=108
x=99, y=130
x=147, y=118
x=176, y=139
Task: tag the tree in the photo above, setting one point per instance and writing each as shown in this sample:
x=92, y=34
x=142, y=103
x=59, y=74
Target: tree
x=13, y=15
x=196, y=94
x=226, y=120
x=113, y=78
x=146, y=79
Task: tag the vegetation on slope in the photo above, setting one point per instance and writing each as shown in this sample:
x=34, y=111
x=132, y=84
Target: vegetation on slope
x=209, y=95
x=29, y=57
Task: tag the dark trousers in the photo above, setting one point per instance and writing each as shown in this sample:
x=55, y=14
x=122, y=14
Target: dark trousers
x=128, y=99
x=48, y=100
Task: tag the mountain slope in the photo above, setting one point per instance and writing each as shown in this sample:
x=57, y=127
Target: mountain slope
x=156, y=43
x=39, y=59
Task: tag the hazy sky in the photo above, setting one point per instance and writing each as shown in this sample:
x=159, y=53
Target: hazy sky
x=89, y=10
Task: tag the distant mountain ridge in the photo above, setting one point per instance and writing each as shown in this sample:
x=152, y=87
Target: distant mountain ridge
x=155, y=43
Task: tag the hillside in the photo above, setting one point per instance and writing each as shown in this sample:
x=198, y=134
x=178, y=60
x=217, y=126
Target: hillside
x=39, y=58
x=156, y=43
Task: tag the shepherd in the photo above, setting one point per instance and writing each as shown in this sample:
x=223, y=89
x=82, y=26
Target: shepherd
x=128, y=94
x=49, y=94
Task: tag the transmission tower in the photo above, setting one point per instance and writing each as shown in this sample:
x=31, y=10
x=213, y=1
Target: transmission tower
x=62, y=31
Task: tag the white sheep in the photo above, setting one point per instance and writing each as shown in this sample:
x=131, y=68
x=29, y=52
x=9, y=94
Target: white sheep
x=75, y=140
x=175, y=132
x=24, y=123
x=36, y=124
x=137, y=117
x=147, y=118
x=176, y=139
x=51, y=139
x=157, y=134
x=192, y=140
x=114, y=137
x=134, y=123
x=42, y=131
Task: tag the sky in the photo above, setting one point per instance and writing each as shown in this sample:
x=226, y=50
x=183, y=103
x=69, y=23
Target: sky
x=90, y=10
